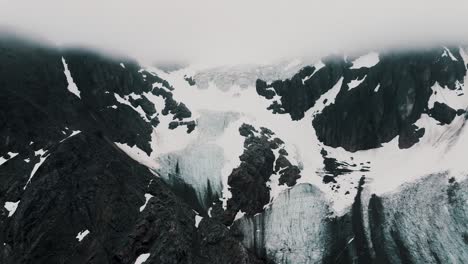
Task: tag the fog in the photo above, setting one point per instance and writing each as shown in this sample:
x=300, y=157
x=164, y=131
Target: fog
x=221, y=32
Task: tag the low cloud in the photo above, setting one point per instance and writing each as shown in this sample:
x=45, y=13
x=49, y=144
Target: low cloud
x=221, y=32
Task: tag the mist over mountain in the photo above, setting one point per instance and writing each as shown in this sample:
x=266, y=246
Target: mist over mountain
x=214, y=33
x=210, y=132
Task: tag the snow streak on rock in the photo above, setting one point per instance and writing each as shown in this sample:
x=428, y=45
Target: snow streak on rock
x=71, y=84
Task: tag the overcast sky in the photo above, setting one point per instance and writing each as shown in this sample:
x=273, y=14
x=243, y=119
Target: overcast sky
x=238, y=31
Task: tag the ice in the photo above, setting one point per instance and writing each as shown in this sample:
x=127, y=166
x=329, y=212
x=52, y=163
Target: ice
x=3, y=160
x=210, y=157
x=285, y=230
x=147, y=198
x=368, y=60
x=11, y=207
x=71, y=84
x=81, y=235
x=142, y=258
x=389, y=165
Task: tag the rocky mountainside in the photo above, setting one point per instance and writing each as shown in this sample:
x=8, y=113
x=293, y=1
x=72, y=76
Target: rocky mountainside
x=350, y=159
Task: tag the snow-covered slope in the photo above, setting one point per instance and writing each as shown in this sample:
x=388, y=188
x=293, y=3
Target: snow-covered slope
x=340, y=160
x=221, y=100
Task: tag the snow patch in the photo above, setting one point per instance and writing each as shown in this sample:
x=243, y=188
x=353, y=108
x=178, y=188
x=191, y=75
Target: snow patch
x=197, y=220
x=447, y=52
x=327, y=98
x=126, y=101
x=138, y=155
x=42, y=158
x=239, y=215
x=319, y=65
x=377, y=88
x=355, y=83
x=369, y=60
x=74, y=133
x=142, y=258
x=147, y=197
x=71, y=84
x=11, y=207
x=456, y=99
x=11, y=154
x=81, y=235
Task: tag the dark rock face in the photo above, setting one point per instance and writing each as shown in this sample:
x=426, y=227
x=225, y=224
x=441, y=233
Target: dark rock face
x=248, y=182
x=442, y=113
x=190, y=80
x=387, y=102
x=81, y=180
x=219, y=245
x=66, y=174
x=297, y=96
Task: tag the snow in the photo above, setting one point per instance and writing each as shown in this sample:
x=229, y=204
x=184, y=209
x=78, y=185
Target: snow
x=292, y=64
x=464, y=56
x=327, y=98
x=239, y=215
x=355, y=83
x=377, y=88
x=42, y=158
x=138, y=155
x=197, y=220
x=126, y=101
x=142, y=258
x=453, y=98
x=11, y=154
x=319, y=65
x=81, y=235
x=147, y=197
x=71, y=84
x=11, y=207
x=74, y=133
x=369, y=60
x=447, y=52
x=390, y=166
x=273, y=183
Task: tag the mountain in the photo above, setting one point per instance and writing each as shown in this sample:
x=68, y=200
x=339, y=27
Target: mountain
x=349, y=159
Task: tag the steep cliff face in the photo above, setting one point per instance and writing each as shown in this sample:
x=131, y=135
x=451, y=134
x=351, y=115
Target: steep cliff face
x=77, y=179
x=348, y=160
x=381, y=96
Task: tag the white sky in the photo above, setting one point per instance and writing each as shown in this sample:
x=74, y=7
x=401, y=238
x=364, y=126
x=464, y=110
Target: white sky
x=237, y=31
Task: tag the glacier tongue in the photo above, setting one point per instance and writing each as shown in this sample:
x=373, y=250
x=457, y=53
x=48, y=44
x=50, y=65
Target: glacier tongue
x=201, y=164
x=294, y=229
x=301, y=226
